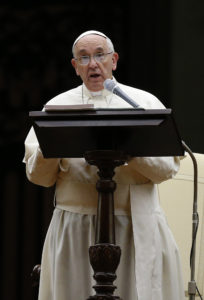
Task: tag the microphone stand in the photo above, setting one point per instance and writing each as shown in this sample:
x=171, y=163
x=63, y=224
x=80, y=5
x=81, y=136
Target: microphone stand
x=195, y=220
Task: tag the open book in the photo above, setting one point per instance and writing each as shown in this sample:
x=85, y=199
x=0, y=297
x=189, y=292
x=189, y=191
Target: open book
x=50, y=107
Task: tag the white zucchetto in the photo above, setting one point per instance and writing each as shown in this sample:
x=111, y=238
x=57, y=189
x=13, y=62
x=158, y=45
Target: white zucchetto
x=88, y=33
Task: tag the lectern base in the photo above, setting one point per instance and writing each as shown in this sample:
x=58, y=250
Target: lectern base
x=104, y=297
x=104, y=259
x=105, y=255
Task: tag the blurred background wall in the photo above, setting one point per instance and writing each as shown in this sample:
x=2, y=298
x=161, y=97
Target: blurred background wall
x=161, y=46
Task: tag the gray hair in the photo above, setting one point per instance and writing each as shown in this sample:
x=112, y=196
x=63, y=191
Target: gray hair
x=109, y=42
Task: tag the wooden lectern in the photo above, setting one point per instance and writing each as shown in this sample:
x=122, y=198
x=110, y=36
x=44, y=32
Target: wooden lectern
x=106, y=138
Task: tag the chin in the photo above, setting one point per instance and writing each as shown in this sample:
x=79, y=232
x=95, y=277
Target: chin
x=96, y=88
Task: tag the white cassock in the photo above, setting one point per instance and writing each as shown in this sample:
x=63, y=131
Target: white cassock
x=150, y=265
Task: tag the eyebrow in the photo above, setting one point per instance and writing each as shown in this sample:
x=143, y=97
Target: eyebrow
x=97, y=49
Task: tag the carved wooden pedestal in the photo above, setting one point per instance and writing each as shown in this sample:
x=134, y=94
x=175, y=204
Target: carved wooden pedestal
x=105, y=255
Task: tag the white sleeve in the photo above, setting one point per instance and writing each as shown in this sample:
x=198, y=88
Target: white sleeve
x=157, y=169
x=39, y=170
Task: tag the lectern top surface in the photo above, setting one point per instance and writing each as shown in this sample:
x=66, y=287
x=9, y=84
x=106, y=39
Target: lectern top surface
x=97, y=113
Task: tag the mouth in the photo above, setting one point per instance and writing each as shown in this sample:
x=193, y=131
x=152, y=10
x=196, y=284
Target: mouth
x=94, y=76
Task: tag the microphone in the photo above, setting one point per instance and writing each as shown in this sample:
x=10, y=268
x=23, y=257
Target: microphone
x=112, y=86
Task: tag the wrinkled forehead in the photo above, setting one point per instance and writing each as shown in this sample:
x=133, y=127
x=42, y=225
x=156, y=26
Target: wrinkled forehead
x=90, y=43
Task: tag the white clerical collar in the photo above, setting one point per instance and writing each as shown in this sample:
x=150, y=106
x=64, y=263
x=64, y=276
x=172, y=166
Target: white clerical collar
x=91, y=94
x=95, y=94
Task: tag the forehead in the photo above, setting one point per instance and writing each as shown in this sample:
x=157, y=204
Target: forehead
x=91, y=43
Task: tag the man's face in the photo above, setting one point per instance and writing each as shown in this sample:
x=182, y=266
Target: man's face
x=94, y=73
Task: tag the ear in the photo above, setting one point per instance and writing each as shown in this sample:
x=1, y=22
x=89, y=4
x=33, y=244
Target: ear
x=115, y=58
x=74, y=64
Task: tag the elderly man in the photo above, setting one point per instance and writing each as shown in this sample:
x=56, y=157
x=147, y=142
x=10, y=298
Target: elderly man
x=150, y=265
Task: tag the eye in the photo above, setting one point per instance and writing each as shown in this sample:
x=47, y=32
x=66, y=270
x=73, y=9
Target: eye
x=99, y=55
x=84, y=59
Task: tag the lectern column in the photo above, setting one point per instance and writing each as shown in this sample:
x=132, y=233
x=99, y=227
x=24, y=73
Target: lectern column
x=105, y=255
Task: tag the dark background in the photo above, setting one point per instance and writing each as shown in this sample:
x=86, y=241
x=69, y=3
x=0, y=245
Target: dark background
x=161, y=48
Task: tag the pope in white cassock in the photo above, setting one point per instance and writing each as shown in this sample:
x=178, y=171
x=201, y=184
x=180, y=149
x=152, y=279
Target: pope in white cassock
x=150, y=265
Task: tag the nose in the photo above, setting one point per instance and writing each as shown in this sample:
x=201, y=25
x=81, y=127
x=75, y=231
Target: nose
x=92, y=62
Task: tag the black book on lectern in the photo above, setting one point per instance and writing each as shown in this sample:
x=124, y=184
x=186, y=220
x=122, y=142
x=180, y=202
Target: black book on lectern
x=135, y=132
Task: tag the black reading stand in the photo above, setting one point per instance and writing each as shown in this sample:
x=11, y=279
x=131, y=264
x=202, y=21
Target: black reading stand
x=106, y=138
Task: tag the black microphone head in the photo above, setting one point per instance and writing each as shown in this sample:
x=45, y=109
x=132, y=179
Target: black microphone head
x=109, y=84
